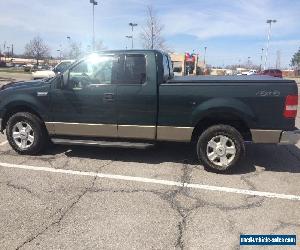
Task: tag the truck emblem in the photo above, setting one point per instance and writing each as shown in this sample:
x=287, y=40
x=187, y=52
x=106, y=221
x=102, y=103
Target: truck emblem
x=42, y=93
x=268, y=93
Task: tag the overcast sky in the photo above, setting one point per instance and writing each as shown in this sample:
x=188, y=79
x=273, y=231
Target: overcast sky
x=232, y=30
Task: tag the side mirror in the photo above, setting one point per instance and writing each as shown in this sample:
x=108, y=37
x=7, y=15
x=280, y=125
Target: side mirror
x=62, y=80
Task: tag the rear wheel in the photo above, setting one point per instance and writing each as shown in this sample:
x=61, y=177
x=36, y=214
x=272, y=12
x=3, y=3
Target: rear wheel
x=220, y=148
x=26, y=133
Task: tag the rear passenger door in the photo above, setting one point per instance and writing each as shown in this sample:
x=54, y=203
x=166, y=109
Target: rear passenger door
x=137, y=97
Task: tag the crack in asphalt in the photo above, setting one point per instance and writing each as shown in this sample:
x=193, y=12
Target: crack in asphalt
x=60, y=218
x=283, y=225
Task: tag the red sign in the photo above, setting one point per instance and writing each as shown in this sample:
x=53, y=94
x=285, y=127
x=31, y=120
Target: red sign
x=190, y=57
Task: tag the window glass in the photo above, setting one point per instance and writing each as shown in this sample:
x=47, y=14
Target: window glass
x=134, y=69
x=62, y=67
x=94, y=70
x=166, y=68
x=170, y=66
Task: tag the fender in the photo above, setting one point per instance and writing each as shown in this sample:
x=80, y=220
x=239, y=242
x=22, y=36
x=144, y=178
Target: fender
x=223, y=106
x=26, y=100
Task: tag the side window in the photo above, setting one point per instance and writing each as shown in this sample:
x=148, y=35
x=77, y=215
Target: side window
x=94, y=70
x=171, y=67
x=134, y=69
x=166, y=68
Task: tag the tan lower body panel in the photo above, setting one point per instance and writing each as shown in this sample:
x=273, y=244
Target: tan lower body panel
x=265, y=136
x=180, y=134
x=164, y=133
x=82, y=129
x=137, y=132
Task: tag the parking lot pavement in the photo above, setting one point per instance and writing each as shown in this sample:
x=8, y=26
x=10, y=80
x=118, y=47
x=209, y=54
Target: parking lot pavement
x=44, y=209
x=158, y=198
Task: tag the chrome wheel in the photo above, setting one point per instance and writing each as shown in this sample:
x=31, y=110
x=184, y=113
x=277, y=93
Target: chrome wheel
x=23, y=135
x=221, y=150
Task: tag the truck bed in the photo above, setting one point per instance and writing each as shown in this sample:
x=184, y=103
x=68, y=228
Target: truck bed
x=228, y=80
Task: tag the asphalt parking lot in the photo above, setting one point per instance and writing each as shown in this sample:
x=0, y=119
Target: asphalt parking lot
x=158, y=198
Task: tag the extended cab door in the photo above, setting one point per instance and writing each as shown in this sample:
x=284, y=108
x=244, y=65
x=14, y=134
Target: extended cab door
x=86, y=105
x=137, y=97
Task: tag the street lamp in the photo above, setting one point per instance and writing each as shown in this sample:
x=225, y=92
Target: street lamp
x=129, y=37
x=132, y=26
x=58, y=50
x=93, y=2
x=269, y=21
x=205, y=48
x=248, y=62
x=261, y=58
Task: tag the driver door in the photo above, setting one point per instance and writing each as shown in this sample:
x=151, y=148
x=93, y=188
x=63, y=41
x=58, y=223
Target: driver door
x=85, y=106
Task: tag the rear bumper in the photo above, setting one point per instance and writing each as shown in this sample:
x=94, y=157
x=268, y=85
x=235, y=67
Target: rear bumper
x=290, y=137
x=275, y=136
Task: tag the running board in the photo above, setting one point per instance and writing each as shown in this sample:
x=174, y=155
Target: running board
x=139, y=145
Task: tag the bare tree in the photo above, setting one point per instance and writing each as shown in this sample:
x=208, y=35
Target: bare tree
x=75, y=51
x=37, y=49
x=99, y=45
x=151, y=34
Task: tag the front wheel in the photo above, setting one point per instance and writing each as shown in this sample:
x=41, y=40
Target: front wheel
x=220, y=148
x=26, y=133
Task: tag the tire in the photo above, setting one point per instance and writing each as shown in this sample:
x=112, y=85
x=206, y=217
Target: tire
x=27, y=127
x=218, y=143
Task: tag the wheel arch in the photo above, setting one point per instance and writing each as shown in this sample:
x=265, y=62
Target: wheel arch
x=16, y=108
x=218, y=117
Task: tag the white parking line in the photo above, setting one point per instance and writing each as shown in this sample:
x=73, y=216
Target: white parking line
x=3, y=143
x=156, y=181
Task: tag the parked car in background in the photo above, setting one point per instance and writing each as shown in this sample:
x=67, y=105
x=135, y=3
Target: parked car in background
x=272, y=72
x=250, y=72
x=59, y=68
x=28, y=67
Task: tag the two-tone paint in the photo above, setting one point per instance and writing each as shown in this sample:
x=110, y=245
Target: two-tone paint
x=161, y=108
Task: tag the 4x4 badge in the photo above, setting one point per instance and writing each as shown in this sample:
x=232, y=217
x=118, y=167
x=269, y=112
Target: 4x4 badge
x=42, y=93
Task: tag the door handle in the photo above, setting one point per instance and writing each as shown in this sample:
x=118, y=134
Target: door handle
x=108, y=97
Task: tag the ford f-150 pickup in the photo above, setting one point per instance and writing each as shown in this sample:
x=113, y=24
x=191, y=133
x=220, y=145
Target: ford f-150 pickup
x=131, y=98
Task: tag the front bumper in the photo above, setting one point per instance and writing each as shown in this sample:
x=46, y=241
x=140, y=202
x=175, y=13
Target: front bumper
x=290, y=137
x=275, y=136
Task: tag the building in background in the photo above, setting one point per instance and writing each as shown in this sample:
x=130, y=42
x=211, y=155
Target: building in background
x=187, y=64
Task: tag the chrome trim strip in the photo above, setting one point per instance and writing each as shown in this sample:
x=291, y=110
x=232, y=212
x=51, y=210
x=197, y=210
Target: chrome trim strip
x=82, y=129
x=265, y=136
x=102, y=143
x=137, y=131
x=179, y=134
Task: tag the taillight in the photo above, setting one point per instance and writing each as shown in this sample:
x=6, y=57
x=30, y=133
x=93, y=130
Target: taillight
x=291, y=105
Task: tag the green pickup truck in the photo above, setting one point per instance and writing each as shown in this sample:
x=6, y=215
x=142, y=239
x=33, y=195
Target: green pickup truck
x=132, y=99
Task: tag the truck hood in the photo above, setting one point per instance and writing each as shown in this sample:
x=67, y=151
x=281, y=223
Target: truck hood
x=24, y=84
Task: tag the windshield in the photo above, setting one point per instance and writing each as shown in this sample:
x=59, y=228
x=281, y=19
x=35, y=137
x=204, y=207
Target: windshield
x=62, y=67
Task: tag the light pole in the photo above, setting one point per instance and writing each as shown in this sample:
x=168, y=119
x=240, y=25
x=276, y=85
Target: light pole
x=93, y=2
x=204, y=60
x=58, y=50
x=261, y=58
x=69, y=44
x=129, y=37
x=248, y=62
x=132, y=26
x=269, y=21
